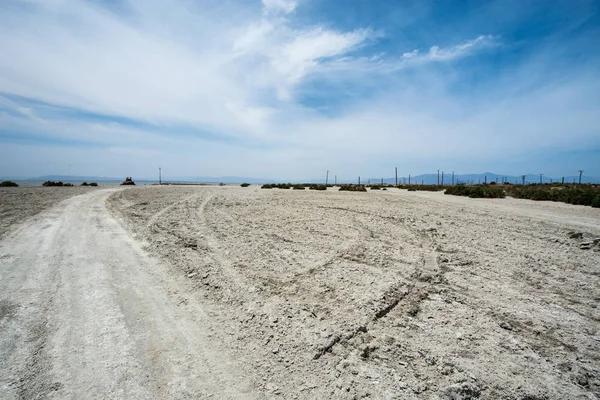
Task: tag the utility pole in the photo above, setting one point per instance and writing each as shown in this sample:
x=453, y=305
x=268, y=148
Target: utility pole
x=485, y=181
x=442, y=178
x=396, y=176
x=541, y=179
x=359, y=180
x=438, y=177
x=523, y=180
x=381, y=181
x=580, y=172
x=336, y=180
x=563, y=180
x=409, y=179
x=327, y=178
x=452, y=178
x=159, y=176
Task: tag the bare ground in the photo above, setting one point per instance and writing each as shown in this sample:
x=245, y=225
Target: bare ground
x=20, y=203
x=385, y=294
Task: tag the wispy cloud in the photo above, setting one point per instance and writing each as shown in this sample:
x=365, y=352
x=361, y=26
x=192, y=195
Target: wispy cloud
x=236, y=80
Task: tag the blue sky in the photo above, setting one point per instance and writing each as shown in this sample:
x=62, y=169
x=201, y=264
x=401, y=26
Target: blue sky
x=288, y=89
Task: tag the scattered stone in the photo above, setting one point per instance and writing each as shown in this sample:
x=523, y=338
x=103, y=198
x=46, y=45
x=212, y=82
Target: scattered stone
x=462, y=391
x=586, y=245
x=575, y=235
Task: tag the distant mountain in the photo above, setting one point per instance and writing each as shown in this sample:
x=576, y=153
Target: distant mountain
x=432, y=179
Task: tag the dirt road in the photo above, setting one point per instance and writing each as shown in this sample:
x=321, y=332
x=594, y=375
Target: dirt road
x=85, y=313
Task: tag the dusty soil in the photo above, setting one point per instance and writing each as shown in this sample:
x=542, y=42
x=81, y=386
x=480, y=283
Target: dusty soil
x=388, y=294
x=18, y=204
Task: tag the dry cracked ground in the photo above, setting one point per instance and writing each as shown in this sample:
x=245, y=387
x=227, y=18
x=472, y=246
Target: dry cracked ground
x=306, y=295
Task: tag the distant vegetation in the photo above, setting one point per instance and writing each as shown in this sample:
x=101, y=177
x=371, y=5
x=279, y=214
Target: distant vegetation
x=353, y=188
x=245, y=185
x=59, y=183
x=128, y=181
x=585, y=195
x=93, y=184
x=428, y=188
x=276, y=186
x=8, y=184
x=89, y=184
x=483, y=191
x=298, y=186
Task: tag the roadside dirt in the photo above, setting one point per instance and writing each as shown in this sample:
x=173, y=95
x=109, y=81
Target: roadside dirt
x=389, y=294
x=20, y=203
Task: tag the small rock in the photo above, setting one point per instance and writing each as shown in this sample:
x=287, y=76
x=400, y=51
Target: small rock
x=575, y=235
x=586, y=245
x=506, y=325
x=461, y=391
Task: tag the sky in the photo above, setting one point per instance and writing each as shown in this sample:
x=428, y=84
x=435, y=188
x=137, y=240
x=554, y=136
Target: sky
x=288, y=89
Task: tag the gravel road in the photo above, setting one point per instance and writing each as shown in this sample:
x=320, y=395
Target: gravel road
x=85, y=313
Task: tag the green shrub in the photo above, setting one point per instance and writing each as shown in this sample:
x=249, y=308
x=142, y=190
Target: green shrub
x=8, y=184
x=93, y=184
x=68, y=185
x=473, y=192
x=428, y=188
x=353, y=188
x=245, y=185
x=84, y=184
x=276, y=185
x=586, y=195
x=52, y=183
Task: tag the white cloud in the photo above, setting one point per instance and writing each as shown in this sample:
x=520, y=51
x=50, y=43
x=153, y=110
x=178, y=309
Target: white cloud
x=277, y=6
x=234, y=75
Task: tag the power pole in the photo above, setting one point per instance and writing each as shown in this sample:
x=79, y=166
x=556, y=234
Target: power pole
x=327, y=178
x=438, y=177
x=523, y=180
x=336, y=180
x=159, y=176
x=396, y=176
x=442, y=178
x=452, y=178
x=485, y=181
x=580, y=172
x=541, y=179
x=409, y=179
x=359, y=180
x=381, y=181
x=563, y=180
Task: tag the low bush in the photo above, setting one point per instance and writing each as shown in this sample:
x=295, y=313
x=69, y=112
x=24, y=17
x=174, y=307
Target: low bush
x=52, y=183
x=317, y=187
x=585, y=195
x=483, y=191
x=276, y=186
x=245, y=185
x=375, y=187
x=93, y=184
x=84, y=184
x=353, y=188
x=8, y=184
x=128, y=181
x=428, y=188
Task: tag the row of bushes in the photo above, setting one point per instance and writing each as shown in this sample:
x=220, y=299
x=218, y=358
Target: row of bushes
x=484, y=191
x=89, y=184
x=8, y=184
x=585, y=195
x=353, y=188
x=59, y=183
x=428, y=188
x=300, y=186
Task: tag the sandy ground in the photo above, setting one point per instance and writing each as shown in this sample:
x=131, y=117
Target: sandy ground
x=18, y=204
x=389, y=294
x=228, y=292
